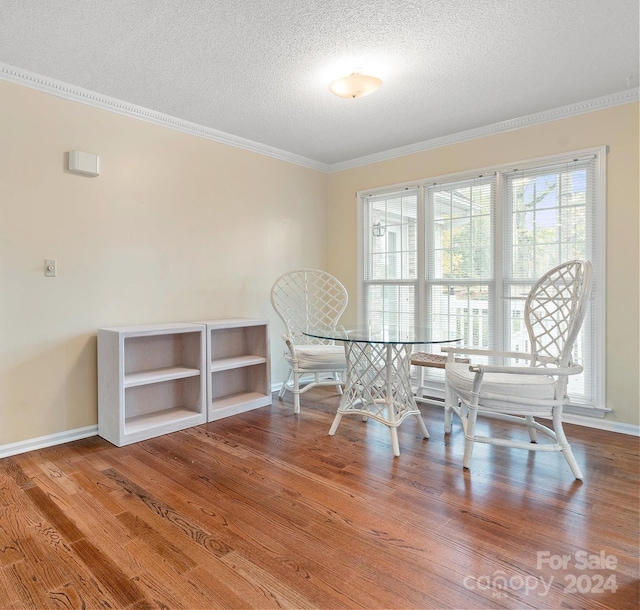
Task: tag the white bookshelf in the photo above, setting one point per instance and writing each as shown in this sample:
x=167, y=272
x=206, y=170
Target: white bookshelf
x=239, y=372
x=151, y=380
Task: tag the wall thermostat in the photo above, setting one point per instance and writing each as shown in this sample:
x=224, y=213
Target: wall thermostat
x=84, y=163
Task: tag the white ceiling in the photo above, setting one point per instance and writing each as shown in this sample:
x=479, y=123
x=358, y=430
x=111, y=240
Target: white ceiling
x=259, y=69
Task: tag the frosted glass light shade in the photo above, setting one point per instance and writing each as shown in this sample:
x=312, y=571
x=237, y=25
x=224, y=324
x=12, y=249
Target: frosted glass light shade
x=355, y=85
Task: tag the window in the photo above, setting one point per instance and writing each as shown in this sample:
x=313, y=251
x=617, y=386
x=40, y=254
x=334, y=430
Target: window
x=391, y=254
x=460, y=253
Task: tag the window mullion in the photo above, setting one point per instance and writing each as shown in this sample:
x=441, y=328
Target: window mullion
x=499, y=265
x=425, y=257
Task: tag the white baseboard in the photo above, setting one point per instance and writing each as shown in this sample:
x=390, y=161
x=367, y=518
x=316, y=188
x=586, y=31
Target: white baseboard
x=601, y=424
x=47, y=441
x=79, y=433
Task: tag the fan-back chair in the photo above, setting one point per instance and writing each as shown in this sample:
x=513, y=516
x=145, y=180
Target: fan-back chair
x=554, y=311
x=308, y=298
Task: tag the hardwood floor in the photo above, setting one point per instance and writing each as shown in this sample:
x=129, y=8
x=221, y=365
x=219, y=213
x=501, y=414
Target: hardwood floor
x=265, y=510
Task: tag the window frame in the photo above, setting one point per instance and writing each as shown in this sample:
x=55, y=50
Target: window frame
x=596, y=239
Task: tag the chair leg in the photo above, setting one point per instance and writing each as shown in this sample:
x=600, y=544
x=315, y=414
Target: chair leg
x=449, y=401
x=533, y=434
x=420, y=388
x=469, y=435
x=422, y=425
x=334, y=425
x=564, y=444
x=296, y=393
x=395, y=445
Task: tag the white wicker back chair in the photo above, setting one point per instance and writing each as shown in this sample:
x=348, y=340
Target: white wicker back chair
x=308, y=298
x=554, y=311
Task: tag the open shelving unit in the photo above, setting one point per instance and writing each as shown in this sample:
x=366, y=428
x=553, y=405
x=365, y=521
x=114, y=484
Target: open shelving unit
x=151, y=380
x=238, y=373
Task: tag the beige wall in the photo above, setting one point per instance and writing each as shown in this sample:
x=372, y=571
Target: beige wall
x=618, y=127
x=179, y=228
x=175, y=228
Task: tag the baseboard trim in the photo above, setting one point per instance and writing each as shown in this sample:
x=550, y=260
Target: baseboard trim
x=601, y=424
x=42, y=442
x=51, y=440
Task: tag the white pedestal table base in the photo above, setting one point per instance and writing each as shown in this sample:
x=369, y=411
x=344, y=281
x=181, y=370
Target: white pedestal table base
x=378, y=385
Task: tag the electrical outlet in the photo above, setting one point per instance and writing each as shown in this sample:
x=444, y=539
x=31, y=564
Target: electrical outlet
x=50, y=267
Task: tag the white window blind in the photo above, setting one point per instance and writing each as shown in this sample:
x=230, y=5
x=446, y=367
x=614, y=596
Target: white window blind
x=551, y=217
x=459, y=255
x=389, y=234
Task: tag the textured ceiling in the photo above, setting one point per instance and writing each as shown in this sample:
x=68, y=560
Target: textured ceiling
x=259, y=69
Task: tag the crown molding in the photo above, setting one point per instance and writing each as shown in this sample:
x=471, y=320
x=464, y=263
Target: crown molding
x=104, y=102
x=600, y=103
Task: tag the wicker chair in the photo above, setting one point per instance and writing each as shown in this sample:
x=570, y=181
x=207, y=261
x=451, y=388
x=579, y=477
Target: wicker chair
x=303, y=299
x=554, y=311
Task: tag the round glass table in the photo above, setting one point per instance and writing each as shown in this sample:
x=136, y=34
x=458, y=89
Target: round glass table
x=378, y=377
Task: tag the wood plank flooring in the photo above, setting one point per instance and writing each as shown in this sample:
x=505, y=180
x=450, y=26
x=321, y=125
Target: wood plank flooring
x=265, y=510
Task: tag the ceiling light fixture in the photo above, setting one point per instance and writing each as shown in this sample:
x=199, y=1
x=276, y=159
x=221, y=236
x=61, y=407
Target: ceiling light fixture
x=355, y=85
